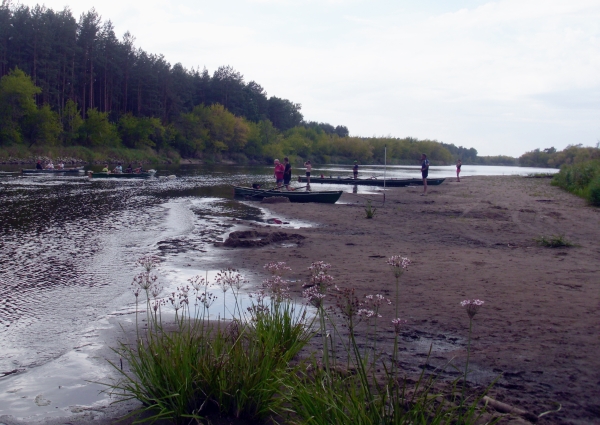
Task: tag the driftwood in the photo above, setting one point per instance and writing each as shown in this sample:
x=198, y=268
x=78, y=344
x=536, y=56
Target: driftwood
x=505, y=408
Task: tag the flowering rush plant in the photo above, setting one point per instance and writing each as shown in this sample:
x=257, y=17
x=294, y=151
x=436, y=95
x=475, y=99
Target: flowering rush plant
x=472, y=306
x=399, y=264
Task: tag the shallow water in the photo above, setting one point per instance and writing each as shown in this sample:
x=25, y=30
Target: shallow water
x=68, y=248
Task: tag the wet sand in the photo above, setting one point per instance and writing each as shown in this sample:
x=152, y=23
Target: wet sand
x=538, y=329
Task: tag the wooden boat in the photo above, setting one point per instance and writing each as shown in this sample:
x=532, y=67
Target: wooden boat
x=101, y=175
x=372, y=182
x=324, y=197
x=53, y=170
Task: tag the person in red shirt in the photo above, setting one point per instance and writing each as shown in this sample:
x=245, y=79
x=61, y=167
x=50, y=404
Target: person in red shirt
x=279, y=169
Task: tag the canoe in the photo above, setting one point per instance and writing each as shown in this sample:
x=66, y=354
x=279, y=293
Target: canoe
x=324, y=197
x=101, y=175
x=53, y=170
x=372, y=182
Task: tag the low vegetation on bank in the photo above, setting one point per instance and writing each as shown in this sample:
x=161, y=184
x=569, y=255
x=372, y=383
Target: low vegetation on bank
x=581, y=179
x=256, y=367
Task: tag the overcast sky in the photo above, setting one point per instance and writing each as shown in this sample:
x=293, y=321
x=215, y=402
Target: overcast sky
x=504, y=77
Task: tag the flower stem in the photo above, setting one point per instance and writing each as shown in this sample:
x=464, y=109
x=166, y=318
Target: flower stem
x=467, y=365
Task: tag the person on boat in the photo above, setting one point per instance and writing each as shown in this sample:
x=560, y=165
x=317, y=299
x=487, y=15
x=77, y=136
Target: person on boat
x=287, y=173
x=279, y=169
x=60, y=166
x=355, y=170
x=118, y=169
x=458, y=165
x=49, y=165
x=129, y=170
x=105, y=169
x=38, y=166
x=139, y=169
x=424, y=172
x=308, y=169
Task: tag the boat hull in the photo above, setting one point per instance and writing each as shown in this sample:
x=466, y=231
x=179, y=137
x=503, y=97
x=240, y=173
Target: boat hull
x=53, y=171
x=373, y=182
x=120, y=176
x=325, y=197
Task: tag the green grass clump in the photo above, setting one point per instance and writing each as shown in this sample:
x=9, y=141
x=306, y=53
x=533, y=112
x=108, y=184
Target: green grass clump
x=581, y=179
x=369, y=210
x=198, y=370
x=554, y=241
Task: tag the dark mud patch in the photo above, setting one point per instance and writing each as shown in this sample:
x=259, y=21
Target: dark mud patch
x=255, y=239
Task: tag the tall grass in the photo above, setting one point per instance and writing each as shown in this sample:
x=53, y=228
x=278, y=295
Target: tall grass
x=191, y=369
x=581, y=179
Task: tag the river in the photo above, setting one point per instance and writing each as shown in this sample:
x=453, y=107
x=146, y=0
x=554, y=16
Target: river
x=68, y=248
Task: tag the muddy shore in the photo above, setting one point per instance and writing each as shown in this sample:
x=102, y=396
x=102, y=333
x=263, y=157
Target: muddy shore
x=538, y=330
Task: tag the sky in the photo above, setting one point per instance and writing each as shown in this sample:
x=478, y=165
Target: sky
x=504, y=77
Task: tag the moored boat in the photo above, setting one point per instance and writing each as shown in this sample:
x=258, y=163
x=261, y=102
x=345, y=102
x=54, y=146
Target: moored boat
x=104, y=175
x=75, y=170
x=323, y=197
x=372, y=182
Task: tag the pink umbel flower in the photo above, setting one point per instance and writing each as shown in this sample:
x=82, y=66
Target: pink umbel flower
x=472, y=306
x=398, y=322
x=230, y=278
x=277, y=268
x=399, y=264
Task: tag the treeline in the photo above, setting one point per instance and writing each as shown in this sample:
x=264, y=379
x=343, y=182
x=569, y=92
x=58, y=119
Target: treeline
x=207, y=131
x=550, y=157
x=84, y=61
x=72, y=83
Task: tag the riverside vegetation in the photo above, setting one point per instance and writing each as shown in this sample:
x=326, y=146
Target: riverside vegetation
x=256, y=366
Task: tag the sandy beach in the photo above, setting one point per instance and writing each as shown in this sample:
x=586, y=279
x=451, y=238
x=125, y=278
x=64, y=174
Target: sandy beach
x=538, y=330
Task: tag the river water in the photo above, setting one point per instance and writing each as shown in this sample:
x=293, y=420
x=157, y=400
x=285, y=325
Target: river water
x=68, y=248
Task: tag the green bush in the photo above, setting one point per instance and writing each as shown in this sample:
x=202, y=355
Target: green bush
x=581, y=179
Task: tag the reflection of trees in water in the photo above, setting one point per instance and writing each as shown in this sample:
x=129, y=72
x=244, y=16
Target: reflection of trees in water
x=355, y=189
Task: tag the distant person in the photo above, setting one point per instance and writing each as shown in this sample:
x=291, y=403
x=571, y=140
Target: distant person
x=279, y=170
x=129, y=169
x=458, y=165
x=60, y=166
x=287, y=173
x=38, y=166
x=105, y=169
x=50, y=165
x=118, y=169
x=355, y=170
x=308, y=166
x=424, y=172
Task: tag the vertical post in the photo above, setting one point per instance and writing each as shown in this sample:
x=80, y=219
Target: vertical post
x=384, y=169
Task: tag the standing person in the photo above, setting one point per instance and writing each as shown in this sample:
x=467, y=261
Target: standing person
x=424, y=172
x=355, y=170
x=279, y=169
x=458, y=165
x=287, y=173
x=308, y=169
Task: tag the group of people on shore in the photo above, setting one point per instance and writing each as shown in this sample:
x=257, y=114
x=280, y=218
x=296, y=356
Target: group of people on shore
x=283, y=172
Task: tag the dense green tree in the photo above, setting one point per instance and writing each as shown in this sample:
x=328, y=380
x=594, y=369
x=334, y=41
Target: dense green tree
x=41, y=127
x=71, y=123
x=17, y=104
x=98, y=131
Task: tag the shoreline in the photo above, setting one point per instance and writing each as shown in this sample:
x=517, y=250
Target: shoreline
x=473, y=239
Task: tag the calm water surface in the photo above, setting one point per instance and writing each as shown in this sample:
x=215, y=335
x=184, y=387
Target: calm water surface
x=67, y=256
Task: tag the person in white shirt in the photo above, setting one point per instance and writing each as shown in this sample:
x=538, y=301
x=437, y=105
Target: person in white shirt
x=308, y=170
